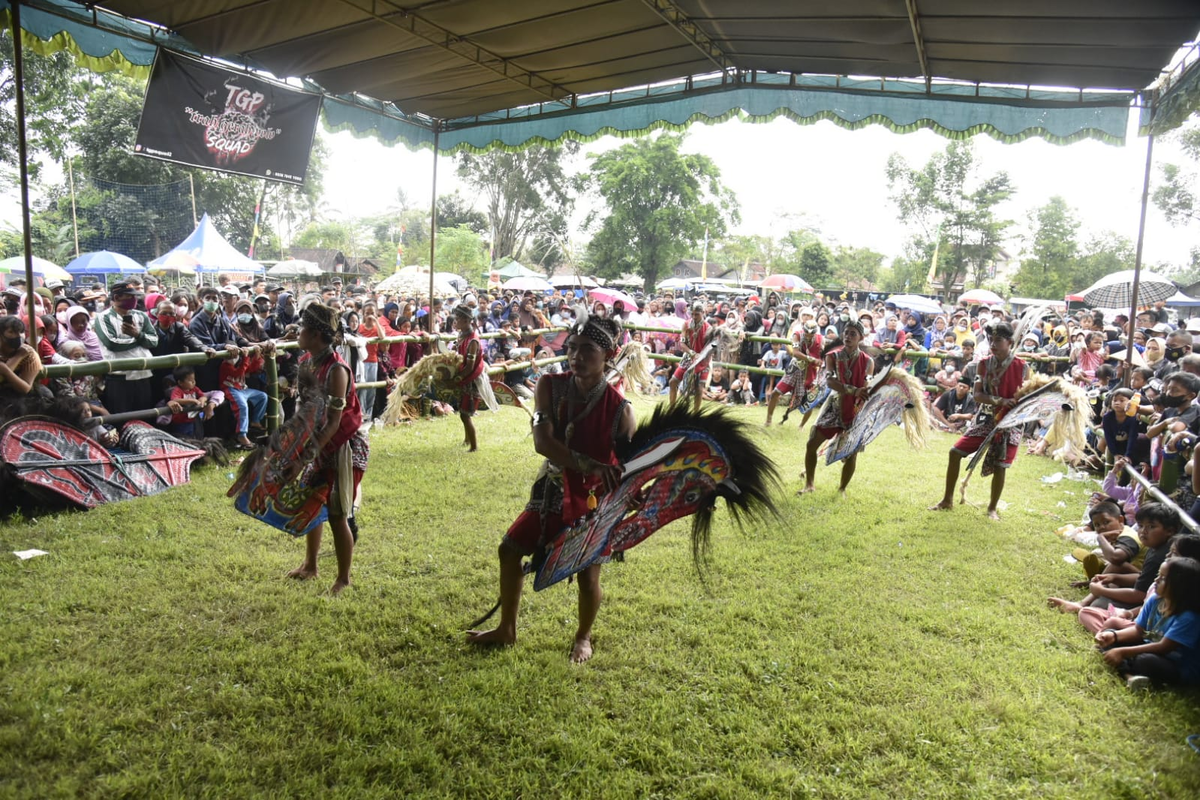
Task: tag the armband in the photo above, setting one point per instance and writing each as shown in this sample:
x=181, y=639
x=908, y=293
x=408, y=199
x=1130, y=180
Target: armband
x=337, y=403
x=540, y=418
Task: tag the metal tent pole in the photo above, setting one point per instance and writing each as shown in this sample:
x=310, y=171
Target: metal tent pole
x=1137, y=262
x=433, y=228
x=23, y=158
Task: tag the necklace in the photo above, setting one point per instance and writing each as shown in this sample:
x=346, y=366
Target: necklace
x=588, y=401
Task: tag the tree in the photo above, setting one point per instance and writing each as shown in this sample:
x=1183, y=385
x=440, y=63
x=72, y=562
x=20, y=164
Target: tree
x=906, y=274
x=815, y=265
x=1049, y=267
x=1103, y=255
x=948, y=204
x=856, y=266
x=454, y=211
x=1176, y=195
x=518, y=190
x=463, y=251
x=659, y=204
x=55, y=95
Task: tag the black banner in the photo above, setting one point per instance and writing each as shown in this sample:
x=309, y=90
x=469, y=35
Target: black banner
x=201, y=115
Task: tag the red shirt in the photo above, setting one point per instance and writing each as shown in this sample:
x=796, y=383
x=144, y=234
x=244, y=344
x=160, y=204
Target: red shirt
x=180, y=394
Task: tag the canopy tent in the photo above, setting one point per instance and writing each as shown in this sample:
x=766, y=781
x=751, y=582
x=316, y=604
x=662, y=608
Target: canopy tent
x=515, y=269
x=476, y=74
x=211, y=251
x=1181, y=300
x=295, y=268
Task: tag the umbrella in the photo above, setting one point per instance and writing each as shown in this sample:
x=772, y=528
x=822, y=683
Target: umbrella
x=1116, y=290
x=573, y=282
x=176, y=263
x=981, y=297
x=515, y=269
x=611, y=296
x=102, y=262
x=414, y=284
x=457, y=281
x=295, y=268
x=914, y=302
x=46, y=269
x=786, y=283
x=533, y=284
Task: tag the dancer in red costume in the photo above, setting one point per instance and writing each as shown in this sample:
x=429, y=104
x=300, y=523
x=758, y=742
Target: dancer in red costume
x=577, y=419
x=342, y=449
x=997, y=382
x=471, y=350
x=696, y=335
x=848, y=369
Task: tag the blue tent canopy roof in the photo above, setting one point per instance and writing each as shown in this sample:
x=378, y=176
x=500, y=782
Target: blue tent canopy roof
x=208, y=246
x=487, y=75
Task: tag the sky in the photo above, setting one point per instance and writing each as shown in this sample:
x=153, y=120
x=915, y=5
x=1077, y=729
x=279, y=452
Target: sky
x=787, y=175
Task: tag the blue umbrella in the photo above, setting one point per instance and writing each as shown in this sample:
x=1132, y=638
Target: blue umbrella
x=914, y=302
x=103, y=262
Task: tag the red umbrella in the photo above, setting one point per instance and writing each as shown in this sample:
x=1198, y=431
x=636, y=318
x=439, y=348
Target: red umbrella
x=786, y=283
x=610, y=296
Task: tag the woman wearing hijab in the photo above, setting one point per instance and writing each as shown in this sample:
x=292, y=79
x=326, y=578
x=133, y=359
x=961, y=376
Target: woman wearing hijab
x=76, y=327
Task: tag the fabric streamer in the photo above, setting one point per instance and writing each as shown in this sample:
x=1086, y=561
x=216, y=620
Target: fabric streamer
x=632, y=367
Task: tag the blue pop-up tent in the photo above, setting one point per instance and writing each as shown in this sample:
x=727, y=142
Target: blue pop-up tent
x=208, y=246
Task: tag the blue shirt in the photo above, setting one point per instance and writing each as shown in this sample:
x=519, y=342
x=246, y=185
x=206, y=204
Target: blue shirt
x=1182, y=629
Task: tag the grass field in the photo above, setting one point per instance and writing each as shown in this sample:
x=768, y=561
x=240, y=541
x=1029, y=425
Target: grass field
x=860, y=648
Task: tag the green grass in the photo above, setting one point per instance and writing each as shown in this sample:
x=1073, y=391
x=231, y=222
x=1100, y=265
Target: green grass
x=860, y=648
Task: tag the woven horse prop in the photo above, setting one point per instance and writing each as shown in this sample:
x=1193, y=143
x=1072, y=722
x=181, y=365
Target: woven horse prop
x=677, y=464
x=54, y=461
x=895, y=397
x=1041, y=399
x=262, y=490
x=805, y=400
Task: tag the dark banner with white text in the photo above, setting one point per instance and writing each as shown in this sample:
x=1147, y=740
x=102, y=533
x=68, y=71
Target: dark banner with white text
x=202, y=115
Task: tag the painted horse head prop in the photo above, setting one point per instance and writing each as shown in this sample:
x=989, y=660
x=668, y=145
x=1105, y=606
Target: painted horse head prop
x=261, y=489
x=678, y=464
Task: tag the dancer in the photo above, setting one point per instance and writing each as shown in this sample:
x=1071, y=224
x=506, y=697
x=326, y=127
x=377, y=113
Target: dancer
x=471, y=350
x=806, y=357
x=997, y=382
x=848, y=369
x=341, y=448
x=692, y=372
x=577, y=419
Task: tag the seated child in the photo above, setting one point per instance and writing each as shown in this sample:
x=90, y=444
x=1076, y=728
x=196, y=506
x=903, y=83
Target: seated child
x=1108, y=592
x=87, y=387
x=741, y=391
x=190, y=404
x=1118, y=548
x=718, y=385
x=1185, y=545
x=1163, y=645
x=949, y=375
x=249, y=405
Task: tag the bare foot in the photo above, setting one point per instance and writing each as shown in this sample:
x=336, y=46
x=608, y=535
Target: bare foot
x=303, y=573
x=493, y=638
x=337, y=587
x=807, y=489
x=1080, y=584
x=582, y=650
x=993, y=514
x=943, y=506
x=1065, y=606
x=472, y=449
x=841, y=494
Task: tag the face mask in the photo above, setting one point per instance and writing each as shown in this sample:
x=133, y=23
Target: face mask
x=795, y=315
x=166, y=320
x=1174, y=353
x=127, y=303
x=210, y=306
x=245, y=319
x=1028, y=347
x=1173, y=401
x=539, y=305
x=845, y=317
x=181, y=310
x=13, y=345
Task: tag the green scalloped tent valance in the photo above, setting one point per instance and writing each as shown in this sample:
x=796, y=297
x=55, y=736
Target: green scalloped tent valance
x=1173, y=107
x=105, y=42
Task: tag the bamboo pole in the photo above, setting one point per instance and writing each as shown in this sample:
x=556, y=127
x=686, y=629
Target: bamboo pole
x=274, y=406
x=1137, y=261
